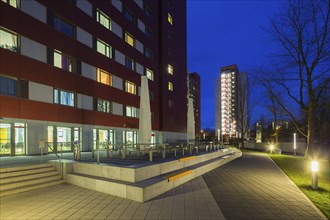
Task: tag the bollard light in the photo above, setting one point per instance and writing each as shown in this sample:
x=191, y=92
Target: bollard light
x=315, y=168
x=271, y=148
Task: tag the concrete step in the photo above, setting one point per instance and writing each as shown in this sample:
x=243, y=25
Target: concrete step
x=26, y=172
x=30, y=187
x=12, y=179
x=26, y=183
x=26, y=167
x=153, y=185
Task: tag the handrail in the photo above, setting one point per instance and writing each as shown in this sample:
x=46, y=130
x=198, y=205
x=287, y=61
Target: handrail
x=52, y=149
x=59, y=158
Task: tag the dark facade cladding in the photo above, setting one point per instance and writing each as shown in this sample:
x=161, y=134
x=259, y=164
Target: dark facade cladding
x=77, y=66
x=195, y=93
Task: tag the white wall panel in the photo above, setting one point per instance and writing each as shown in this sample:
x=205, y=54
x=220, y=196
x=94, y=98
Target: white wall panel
x=117, y=109
x=117, y=82
x=85, y=6
x=88, y=71
x=120, y=57
x=84, y=37
x=35, y=9
x=40, y=92
x=33, y=49
x=84, y=102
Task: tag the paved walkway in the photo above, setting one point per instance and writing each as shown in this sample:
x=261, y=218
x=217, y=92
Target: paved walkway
x=192, y=200
x=253, y=187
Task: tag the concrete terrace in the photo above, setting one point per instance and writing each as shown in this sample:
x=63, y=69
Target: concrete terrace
x=250, y=187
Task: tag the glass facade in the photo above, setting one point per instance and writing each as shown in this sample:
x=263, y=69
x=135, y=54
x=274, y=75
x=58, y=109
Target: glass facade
x=104, y=77
x=12, y=139
x=64, y=27
x=103, y=48
x=103, y=19
x=63, y=61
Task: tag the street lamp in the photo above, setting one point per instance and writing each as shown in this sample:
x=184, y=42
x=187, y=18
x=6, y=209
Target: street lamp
x=294, y=143
x=271, y=148
x=218, y=135
x=315, y=168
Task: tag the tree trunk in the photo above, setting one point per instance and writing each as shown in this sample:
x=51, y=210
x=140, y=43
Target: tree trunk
x=310, y=150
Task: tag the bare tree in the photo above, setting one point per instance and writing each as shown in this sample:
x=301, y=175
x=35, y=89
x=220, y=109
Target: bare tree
x=244, y=107
x=301, y=65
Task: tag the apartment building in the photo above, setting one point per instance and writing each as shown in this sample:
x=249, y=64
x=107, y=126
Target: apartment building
x=195, y=94
x=231, y=103
x=70, y=70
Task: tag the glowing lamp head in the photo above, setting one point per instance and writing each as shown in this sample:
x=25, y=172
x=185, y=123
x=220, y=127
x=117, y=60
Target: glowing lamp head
x=271, y=147
x=315, y=166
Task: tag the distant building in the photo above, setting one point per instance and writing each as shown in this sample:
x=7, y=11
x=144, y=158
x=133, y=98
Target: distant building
x=231, y=102
x=71, y=71
x=258, y=133
x=195, y=93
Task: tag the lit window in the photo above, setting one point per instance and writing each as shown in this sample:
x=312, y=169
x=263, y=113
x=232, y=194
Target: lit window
x=131, y=111
x=170, y=86
x=8, y=86
x=169, y=18
x=170, y=69
x=103, y=48
x=64, y=27
x=63, y=61
x=129, y=39
x=130, y=87
x=150, y=74
x=8, y=40
x=130, y=63
x=103, y=106
x=13, y=3
x=103, y=19
x=64, y=98
x=104, y=77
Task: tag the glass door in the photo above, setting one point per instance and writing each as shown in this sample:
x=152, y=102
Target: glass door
x=5, y=139
x=64, y=139
x=19, y=138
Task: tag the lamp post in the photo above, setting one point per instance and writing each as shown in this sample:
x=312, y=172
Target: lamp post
x=218, y=135
x=294, y=143
x=315, y=168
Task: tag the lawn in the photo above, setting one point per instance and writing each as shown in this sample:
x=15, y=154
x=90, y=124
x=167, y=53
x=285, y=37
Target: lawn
x=299, y=171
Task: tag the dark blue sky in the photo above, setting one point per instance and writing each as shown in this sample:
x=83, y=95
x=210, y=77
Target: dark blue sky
x=222, y=33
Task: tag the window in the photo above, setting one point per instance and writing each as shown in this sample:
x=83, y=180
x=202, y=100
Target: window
x=169, y=18
x=129, y=15
x=8, y=40
x=130, y=87
x=148, y=53
x=64, y=27
x=170, y=103
x=103, y=106
x=103, y=19
x=170, y=69
x=8, y=86
x=129, y=39
x=170, y=86
x=150, y=74
x=148, y=33
x=103, y=48
x=130, y=63
x=104, y=77
x=14, y=3
x=169, y=52
x=148, y=11
x=131, y=111
x=64, y=98
x=63, y=61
